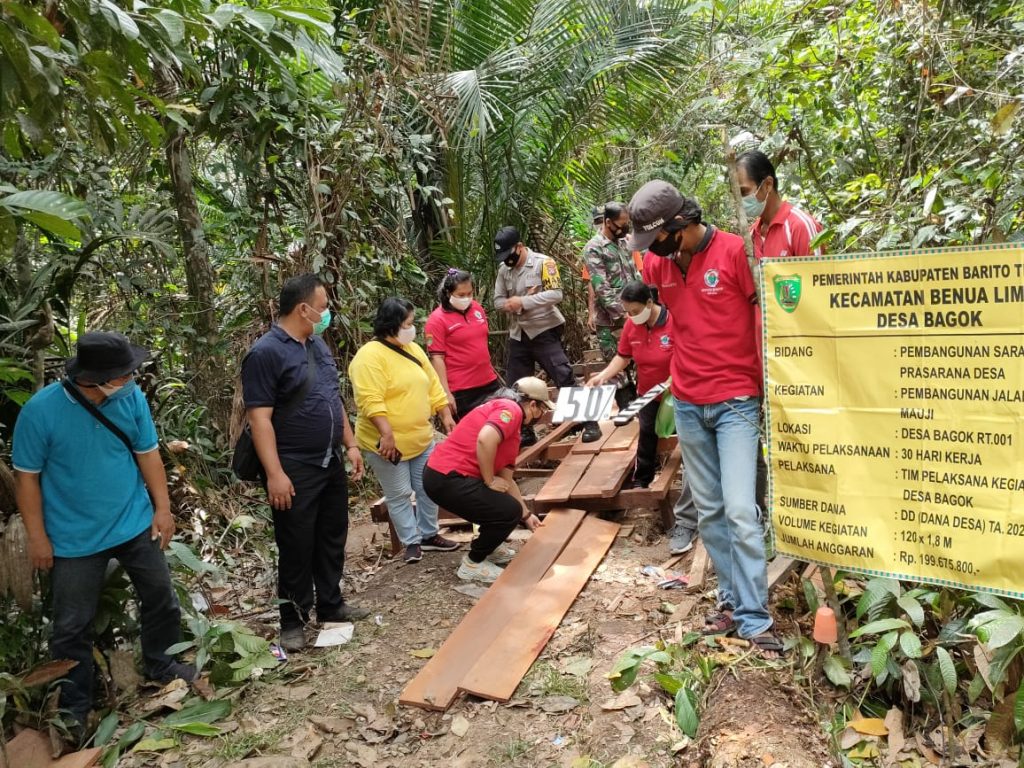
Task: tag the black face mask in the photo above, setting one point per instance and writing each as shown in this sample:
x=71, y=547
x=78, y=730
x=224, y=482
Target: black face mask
x=512, y=260
x=619, y=232
x=665, y=248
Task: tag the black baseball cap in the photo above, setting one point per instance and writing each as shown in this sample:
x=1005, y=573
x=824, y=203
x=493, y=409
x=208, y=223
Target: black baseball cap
x=104, y=355
x=654, y=205
x=506, y=239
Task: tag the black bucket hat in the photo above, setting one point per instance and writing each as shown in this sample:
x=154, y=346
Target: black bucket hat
x=104, y=355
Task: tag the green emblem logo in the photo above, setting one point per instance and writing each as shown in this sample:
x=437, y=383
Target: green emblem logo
x=787, y=291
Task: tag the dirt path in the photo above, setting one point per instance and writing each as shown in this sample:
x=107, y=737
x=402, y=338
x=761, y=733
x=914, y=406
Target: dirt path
x=337, y=707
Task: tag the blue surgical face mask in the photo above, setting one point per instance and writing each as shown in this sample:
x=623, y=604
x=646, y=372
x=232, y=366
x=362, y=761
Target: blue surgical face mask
x=752, y=206
x=118, y=391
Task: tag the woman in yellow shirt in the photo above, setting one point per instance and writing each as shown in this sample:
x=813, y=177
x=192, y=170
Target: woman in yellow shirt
x=397, y=393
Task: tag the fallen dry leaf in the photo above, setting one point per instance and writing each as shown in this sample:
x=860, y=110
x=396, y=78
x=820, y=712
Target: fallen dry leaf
x=929, y=754
x=203, y=688
x=48, y=672
x=894, y=722
x=849, y=739
x=622, y=701
x=333, y=724
x=872, y=726
x=303, y=742
x=460, y=726
x=423, y=653
x=557, y=704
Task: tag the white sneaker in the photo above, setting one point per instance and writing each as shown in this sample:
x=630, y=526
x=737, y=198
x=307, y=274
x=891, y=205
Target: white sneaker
x=502, y=555
x=485, y=571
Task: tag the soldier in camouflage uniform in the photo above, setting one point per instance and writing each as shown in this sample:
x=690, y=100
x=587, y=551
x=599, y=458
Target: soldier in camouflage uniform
x=610, y=266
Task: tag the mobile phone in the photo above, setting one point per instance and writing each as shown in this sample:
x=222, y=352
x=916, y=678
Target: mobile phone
x=398, y=455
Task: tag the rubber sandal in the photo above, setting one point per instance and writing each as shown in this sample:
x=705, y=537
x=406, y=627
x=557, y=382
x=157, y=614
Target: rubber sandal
x=718, y=623
x=768, y=642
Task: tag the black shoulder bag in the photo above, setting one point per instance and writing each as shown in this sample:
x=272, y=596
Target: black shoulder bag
x=401, y=352
x=98, y=415
x=245, y=461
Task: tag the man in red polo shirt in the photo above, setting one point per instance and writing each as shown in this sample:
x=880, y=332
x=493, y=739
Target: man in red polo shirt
x=470, y=473
x=779, y=228
x=716, y=381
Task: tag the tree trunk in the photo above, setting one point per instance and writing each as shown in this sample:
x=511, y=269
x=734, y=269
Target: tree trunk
x=202, y=345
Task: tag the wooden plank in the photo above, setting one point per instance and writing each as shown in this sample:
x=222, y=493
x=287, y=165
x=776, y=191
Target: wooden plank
x=607, y=430
x=558, y=451
x=779, y=568
x=437, y=683
x=560, y=485
x=605, y=475
x=500, y=669
x=698, y=566
x=533, y=472
x=534, y=452
x=624, y=437
x=31, y=749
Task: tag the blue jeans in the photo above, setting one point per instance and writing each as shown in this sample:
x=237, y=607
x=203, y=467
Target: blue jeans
x=77, y=583
x=398, y=482
x=719, y=445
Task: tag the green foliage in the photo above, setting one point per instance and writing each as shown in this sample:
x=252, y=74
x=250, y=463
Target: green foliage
x=682, y=672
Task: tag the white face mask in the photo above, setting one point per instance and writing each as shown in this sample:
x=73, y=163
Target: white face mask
x=460, y=303
x=642, y=317
x=406, y=335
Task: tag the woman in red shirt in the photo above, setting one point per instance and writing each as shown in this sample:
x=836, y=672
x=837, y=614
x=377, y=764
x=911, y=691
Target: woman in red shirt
x=471, y=474
x=456, y=334
x=647, y=341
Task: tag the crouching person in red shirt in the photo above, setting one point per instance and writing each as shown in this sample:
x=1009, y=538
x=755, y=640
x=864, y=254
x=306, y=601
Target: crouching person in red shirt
x=470, y=474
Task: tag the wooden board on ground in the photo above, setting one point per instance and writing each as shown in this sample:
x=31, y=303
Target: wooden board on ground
x=605, y=476
x=31, y=749
x=535, y=451
x=500, y=669
x=778, y=569
x=607, y=430
x=436, y=685
x=559, y=487
x=623, y=437
x=698, y=566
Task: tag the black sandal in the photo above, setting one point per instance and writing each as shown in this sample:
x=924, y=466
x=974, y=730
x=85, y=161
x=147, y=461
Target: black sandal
x=768, y=642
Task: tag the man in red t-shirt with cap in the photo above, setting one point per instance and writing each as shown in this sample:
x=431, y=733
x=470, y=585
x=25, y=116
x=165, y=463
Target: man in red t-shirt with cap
x=705, y=282
x=470, y=473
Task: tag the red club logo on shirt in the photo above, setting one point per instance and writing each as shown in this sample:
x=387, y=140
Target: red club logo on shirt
x=478, y=315
x=505, y=416
x=666, y=342
x=711, y=278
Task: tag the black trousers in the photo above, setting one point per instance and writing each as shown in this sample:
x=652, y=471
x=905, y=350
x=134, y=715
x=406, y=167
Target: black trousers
x=647, y=445
x=468, y=399
x=546, y=350
x=496, y=513
x=311, y=542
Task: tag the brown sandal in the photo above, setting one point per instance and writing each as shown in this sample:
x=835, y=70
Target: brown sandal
x=718, y=623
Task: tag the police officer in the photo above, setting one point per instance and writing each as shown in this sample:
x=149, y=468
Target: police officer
x=529, y=290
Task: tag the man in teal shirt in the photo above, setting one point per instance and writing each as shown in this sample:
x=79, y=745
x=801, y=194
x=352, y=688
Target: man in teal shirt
x=86, y=498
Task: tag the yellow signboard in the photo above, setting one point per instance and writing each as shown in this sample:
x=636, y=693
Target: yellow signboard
x=895, y=391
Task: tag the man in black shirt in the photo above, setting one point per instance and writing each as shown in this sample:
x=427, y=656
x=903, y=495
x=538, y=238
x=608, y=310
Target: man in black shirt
x=300, y=450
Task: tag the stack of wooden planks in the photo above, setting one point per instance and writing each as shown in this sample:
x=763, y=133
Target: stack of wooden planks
x=491, y=650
